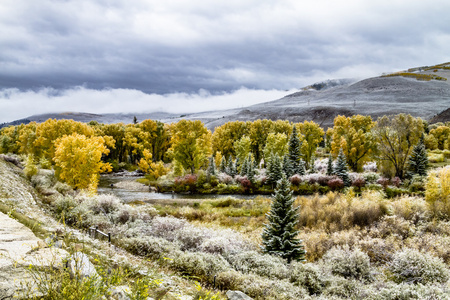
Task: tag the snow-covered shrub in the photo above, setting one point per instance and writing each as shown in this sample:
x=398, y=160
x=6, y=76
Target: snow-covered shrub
x=226, y=242
x=370, y=166
x=165, y=226
x=371, y=177
x=225, y=178
x=200, y=264
x=63, y=188
x=191, y=237
x=316, y=178
x=391, y=290
x=148, y=246
x=343, y=288
x=104, y=203
x=320, y=165
x=413, y=266
x=261, y=264
x=260, y=179
x=308, y=276
x=348, y=263
x=70, y=210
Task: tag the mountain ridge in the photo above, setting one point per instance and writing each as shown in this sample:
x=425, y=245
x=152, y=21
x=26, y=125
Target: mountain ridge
x=422, y=92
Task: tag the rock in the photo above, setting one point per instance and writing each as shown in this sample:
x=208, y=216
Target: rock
x=19, y=248
x=80, y=267
x=119, y=293
x=237, y=295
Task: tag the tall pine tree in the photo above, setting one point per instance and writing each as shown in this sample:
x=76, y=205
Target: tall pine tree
x=280, y=234
x=330, y=165
x=418, y=161
x=287, y=166
x=341, y=169
x=274, y=169
x=301, y=170
x=212, y=167
x=294, y=150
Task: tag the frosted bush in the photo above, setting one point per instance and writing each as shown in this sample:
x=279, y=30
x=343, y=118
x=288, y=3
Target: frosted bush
x=260, y=264
x=348, y=263
x=321, y=165
x=407, y=291
x=165, y=226
x=413, y=266
x=203, y=265
x=44, y=179
x=149, y=246
x=284, y=290
x=225, y=178
x=62, y=188
x=316, y=178
x=370, y=166
x=226, y=242
x=104, y=203
x=344, y=288
x=125, y=214
x=371, y=177
x=191, y=237
x=260, y=179
x=308, y=276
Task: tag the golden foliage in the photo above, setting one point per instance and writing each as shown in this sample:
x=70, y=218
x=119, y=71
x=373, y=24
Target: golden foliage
x=191, y=144
x=353, y=135
x=78, y=160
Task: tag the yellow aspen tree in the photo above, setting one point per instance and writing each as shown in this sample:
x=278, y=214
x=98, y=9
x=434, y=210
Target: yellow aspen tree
x=396, y=136
x=78, y=160
x=226, y=135
x=441, y=134
x=191, y=144
x=311, y=134
x=353, y=135
x=153, y=169
x=49, y=131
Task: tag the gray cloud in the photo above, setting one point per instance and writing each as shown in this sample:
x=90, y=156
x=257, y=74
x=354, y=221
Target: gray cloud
x=220, y=46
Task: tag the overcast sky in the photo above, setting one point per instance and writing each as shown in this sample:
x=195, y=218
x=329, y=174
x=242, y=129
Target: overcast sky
x=145, y=55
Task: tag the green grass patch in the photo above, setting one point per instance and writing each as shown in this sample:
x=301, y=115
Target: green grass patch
x=21, y=218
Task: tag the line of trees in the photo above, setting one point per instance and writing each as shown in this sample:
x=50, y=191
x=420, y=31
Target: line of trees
x=188, y=145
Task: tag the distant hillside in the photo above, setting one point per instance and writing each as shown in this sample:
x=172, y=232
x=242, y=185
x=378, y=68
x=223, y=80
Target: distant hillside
x=422, y=92
x=442, y=117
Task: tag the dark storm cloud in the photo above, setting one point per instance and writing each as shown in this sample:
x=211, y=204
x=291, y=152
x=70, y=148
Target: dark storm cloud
x=220, y=46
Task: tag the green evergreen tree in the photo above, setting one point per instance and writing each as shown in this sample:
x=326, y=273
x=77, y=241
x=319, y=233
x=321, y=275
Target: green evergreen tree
x=211, y=171
x=274, y=170
x=294, y=150
x=301, y=170
x=312, y=168
x=341, y=168
x=223, y=165
x=287, y=166
x=330, y=165
x=418, y=161
x=244, y=167
x=280, y=234
x=229, y=166
x=232, y=167
x=250, y=172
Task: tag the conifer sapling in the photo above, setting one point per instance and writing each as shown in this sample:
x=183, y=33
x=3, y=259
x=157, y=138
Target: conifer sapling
x=280, y=234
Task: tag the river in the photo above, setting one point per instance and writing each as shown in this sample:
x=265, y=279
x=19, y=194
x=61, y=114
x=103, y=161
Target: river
x=134, y=195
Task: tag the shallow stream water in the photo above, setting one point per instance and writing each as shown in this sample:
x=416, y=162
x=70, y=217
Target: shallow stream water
x=128, y=195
